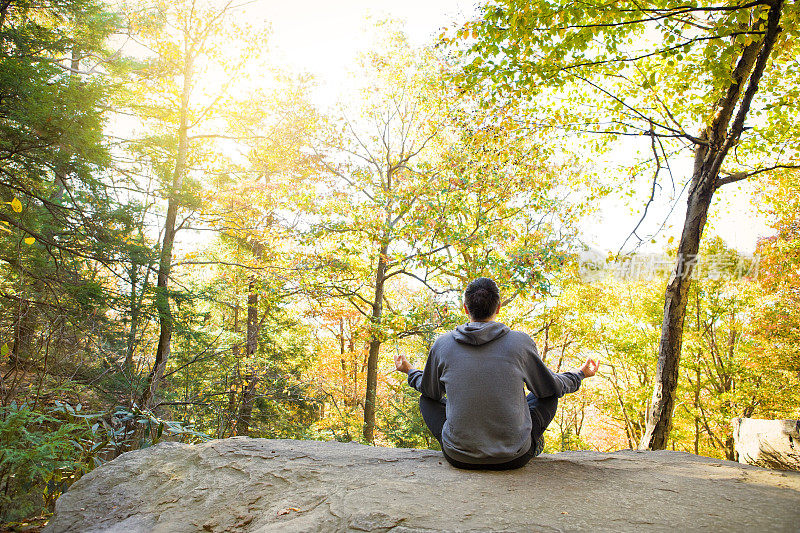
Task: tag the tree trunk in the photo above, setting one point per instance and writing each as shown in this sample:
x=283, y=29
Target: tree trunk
x=229, y=416
x=165, y=260
x=24, y=332
x=370, y=407
x=229, y=423
x=716, y=141
x=348, y=378
x=246, y=405
x=728, y=387
x=248, y=394
x=697, y=409
x=660, y=420
x=128, y=365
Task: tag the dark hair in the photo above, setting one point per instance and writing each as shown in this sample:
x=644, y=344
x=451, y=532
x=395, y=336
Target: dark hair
x=482, y=298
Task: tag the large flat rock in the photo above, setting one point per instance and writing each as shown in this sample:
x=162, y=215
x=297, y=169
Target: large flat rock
x=262, y=485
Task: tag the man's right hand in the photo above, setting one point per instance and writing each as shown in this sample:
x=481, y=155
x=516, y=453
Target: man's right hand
x=590, y=367
x=402, y=364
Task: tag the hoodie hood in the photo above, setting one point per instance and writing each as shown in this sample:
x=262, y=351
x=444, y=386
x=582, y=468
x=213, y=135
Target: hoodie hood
x=478, y=333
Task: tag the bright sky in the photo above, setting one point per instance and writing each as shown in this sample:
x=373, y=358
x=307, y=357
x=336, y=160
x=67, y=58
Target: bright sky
x=324, y=38
x=734, y=215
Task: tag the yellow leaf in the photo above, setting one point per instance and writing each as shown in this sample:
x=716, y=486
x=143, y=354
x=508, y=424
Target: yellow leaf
x=669, y=241
x=16, y=205
x=3, y=228
x=30, y=240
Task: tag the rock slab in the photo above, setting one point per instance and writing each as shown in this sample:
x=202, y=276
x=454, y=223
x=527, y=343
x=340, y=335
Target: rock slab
x=768, y=443
x=261, y=485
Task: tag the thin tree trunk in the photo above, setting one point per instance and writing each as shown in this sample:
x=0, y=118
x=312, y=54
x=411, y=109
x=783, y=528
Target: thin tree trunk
x=728, y=384
x=231, y=411
x=370, y=407
x=24, y=332
x=136, y=306
x=252, y=379
x=128, y=365
x=342, y=350
x=717, y=139
x=229, y=416
x=352, y=399
x=629, y=429
x=165, y=260
x=696, y=410
x=348, y=384
x=246, y=406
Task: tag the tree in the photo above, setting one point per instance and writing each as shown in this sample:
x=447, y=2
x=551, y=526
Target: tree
x=616, y=316
x=340, y=364
x=718, y=371
x=380, y=190
x=177, y=98
x=420, y=189
x=656, y=70
x=775, y=325
x=65, y=242
x=64, y=232
x=247, y=205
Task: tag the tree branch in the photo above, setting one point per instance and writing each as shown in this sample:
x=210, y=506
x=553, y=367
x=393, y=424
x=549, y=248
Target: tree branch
x=739, y=176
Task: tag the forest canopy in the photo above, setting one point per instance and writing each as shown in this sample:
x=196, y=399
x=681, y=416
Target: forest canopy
x=194, y=246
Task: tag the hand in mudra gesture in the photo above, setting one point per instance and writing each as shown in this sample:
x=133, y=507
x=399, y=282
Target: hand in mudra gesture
x=401, y=363
x=590, y=367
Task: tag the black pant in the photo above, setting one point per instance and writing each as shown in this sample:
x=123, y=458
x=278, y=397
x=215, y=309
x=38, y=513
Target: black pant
x=542, y=413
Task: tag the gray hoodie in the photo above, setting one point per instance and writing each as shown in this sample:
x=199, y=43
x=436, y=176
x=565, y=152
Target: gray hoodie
x=481, y=366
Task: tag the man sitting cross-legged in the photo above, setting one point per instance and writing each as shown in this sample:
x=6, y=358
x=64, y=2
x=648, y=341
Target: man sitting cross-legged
x=486, y=421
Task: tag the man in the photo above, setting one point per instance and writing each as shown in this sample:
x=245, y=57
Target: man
x=486, y=421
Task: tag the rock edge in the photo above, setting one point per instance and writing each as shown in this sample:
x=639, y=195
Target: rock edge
x=261, y=485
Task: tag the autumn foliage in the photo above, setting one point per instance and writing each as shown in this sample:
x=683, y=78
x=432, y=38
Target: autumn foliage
x=193, y=247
